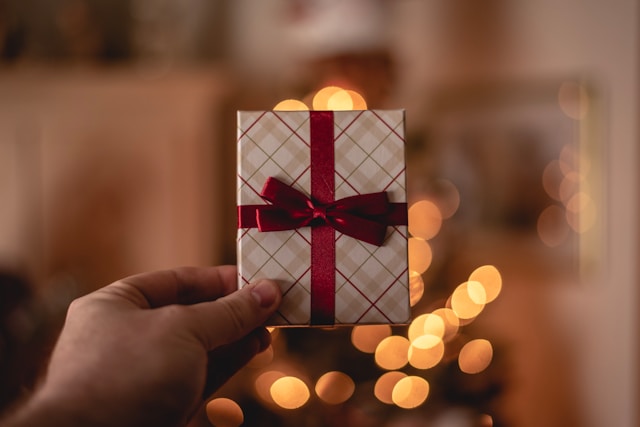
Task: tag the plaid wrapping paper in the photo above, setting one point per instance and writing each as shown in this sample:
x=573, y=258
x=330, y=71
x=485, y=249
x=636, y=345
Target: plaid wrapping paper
x=371, y=282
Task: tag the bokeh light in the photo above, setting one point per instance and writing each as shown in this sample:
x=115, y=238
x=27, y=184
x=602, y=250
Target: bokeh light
x=551, y=178
x=321, y=98
x=410, y=392
x=448, y=198
x=420, y=255
x=416, y=288
x=425, y=219
x=223, y=412
x=385, y=384
x=392, y=352
x=451, y=322
x=475, y=356
x=357, y=100
x=289, y=392
x=581, y=217
x=427, y=323
x=367, y=337
x=335, y=387
x=426, y=351
x=489, y=277
x=340, y=101
x=264, y=382
x=553, y=229
x=468, y=300
x=291, y=105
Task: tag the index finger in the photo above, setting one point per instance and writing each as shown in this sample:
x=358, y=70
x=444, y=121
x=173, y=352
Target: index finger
x=184, y=285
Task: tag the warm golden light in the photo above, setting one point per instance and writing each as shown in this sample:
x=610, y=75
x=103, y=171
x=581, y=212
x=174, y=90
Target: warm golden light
x=451, y=323
x=385, y=384
x=420, y=255
x=425, y=219
x=448, y=198
x=289, y=392
x=264, y=382
x=568, y=159
x=582, y=215
x=410, y=392
x=551, y=178
x=568, y=187
x=340, y=101
x=321, y=98
x=489, y=277
x=335, y=387
x=552, y=226
x=262, y=359
x=475, y=356
x=367, y=337
x=416, y=288
x=392, y=352
x=467, y=300
x=426, y=351
x=427, y=323
x=357, y=100
x=291, y=105
x=223, y=412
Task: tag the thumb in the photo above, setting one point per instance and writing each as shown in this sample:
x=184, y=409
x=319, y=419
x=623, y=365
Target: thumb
x=233, y=316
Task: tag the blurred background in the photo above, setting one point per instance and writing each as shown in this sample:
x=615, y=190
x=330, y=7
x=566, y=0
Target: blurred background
x=117, y=155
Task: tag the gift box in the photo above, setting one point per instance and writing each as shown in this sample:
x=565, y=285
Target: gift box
x=322, y=210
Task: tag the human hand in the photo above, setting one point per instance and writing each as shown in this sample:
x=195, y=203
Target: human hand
x=147, y=349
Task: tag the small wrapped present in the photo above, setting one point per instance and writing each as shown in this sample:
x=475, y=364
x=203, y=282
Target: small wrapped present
x=322, y=210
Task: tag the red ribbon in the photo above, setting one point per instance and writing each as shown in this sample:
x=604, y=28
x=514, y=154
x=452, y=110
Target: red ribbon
x=364, y=217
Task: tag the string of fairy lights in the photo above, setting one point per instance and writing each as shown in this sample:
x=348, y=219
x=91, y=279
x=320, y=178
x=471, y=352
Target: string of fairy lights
x=278, y=386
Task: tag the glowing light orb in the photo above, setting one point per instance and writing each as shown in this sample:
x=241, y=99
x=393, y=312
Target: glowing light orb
x=385, y=384
x=552, y=226
x=427, y=323
x=451, y=323
x=475, y=356
x=489, y=277
x=420, y=255
x=468, y=300
x=357, y=100
x=426, y=351
x=264, y=382
x=367, y=337
x=410, y=392
x=416, y=288
x=291, y=105
x=223, y=412
x=321, y=98
x=289, y=392
x=392, y=352
x=340, y=101
x=425, y=219
x=335, y=387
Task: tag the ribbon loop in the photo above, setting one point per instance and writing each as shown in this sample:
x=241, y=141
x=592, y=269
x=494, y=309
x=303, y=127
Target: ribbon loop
x=363, y=217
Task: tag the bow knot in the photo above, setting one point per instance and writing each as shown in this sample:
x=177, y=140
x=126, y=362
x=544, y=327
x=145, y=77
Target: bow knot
x=364, y=217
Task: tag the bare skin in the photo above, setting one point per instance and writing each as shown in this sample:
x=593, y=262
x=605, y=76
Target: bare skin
x=147, y=350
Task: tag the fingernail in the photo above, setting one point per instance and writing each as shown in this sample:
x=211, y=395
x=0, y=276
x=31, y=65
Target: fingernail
x=265, y=292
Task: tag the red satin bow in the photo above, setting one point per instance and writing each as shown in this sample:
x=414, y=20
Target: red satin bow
x=364, y=217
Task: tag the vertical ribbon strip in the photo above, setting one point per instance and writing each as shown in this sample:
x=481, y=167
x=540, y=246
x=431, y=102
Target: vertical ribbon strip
x=323, y=242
